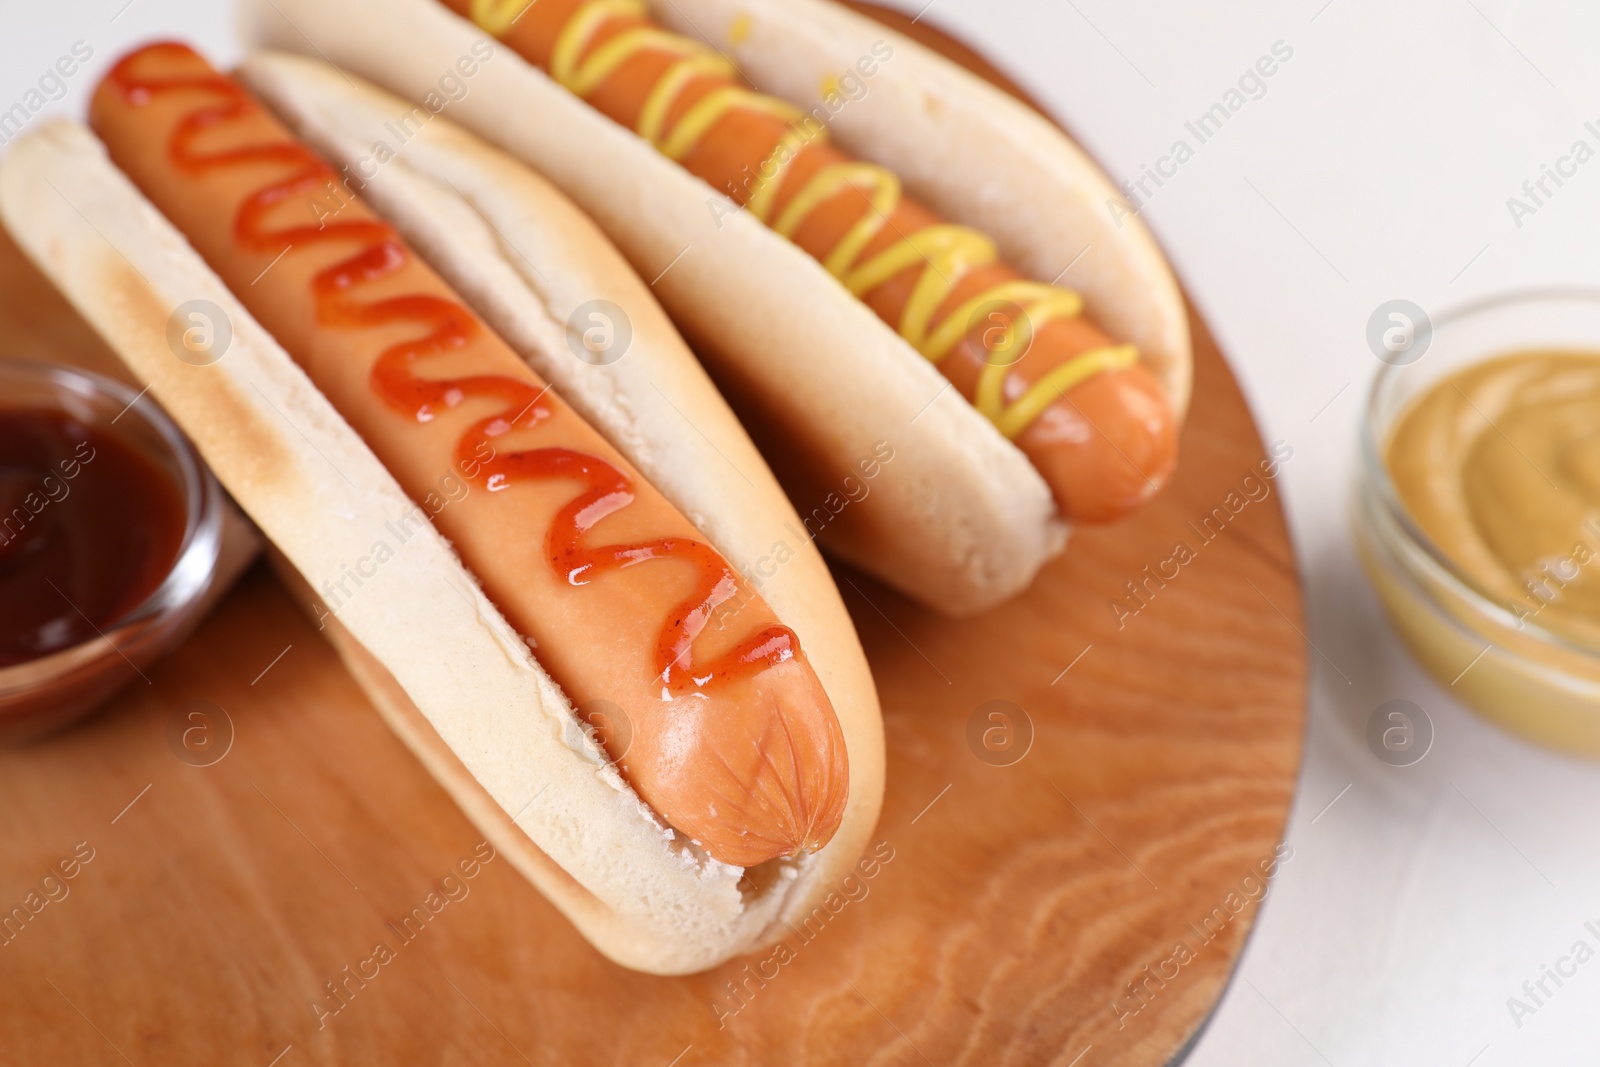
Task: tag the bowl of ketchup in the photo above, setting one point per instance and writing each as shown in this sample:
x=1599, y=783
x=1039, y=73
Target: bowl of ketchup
x=110, y=529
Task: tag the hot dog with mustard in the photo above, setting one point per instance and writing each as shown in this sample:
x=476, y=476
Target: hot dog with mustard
x=1093, y=421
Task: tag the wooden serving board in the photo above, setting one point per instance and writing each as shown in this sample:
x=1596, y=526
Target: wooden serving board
x=1014, y=911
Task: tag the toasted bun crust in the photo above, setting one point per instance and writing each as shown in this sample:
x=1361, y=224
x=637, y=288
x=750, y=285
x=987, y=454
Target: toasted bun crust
x=958, y=518
x=440, y=661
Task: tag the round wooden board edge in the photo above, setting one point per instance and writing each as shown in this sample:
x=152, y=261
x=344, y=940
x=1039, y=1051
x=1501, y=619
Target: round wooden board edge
x=952, y=47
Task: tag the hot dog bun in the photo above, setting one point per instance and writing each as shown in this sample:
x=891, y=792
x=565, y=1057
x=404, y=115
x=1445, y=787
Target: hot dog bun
x=960, y=519
x=440, y=660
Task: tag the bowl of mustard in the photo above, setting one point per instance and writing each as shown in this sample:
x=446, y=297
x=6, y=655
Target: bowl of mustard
x=1477, y=510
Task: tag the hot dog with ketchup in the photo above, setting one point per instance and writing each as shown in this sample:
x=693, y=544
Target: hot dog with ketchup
x=1093, y=401
x=728, y=734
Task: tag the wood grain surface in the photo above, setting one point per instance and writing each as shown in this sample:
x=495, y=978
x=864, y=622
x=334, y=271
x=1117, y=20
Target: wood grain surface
x=1082, y=905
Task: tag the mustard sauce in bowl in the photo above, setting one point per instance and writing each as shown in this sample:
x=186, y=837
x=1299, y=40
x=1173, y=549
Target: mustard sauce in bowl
x=1478, y=511
x=1499, y=465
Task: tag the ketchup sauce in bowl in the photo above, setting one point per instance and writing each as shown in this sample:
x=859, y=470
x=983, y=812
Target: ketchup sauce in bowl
x=109, y=537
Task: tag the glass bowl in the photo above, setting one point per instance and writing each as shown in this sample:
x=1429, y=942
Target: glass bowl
x=44, y=694
x=1535, y=682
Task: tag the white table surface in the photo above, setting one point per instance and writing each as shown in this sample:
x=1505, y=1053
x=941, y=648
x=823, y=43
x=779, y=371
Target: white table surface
x=1376, y=165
